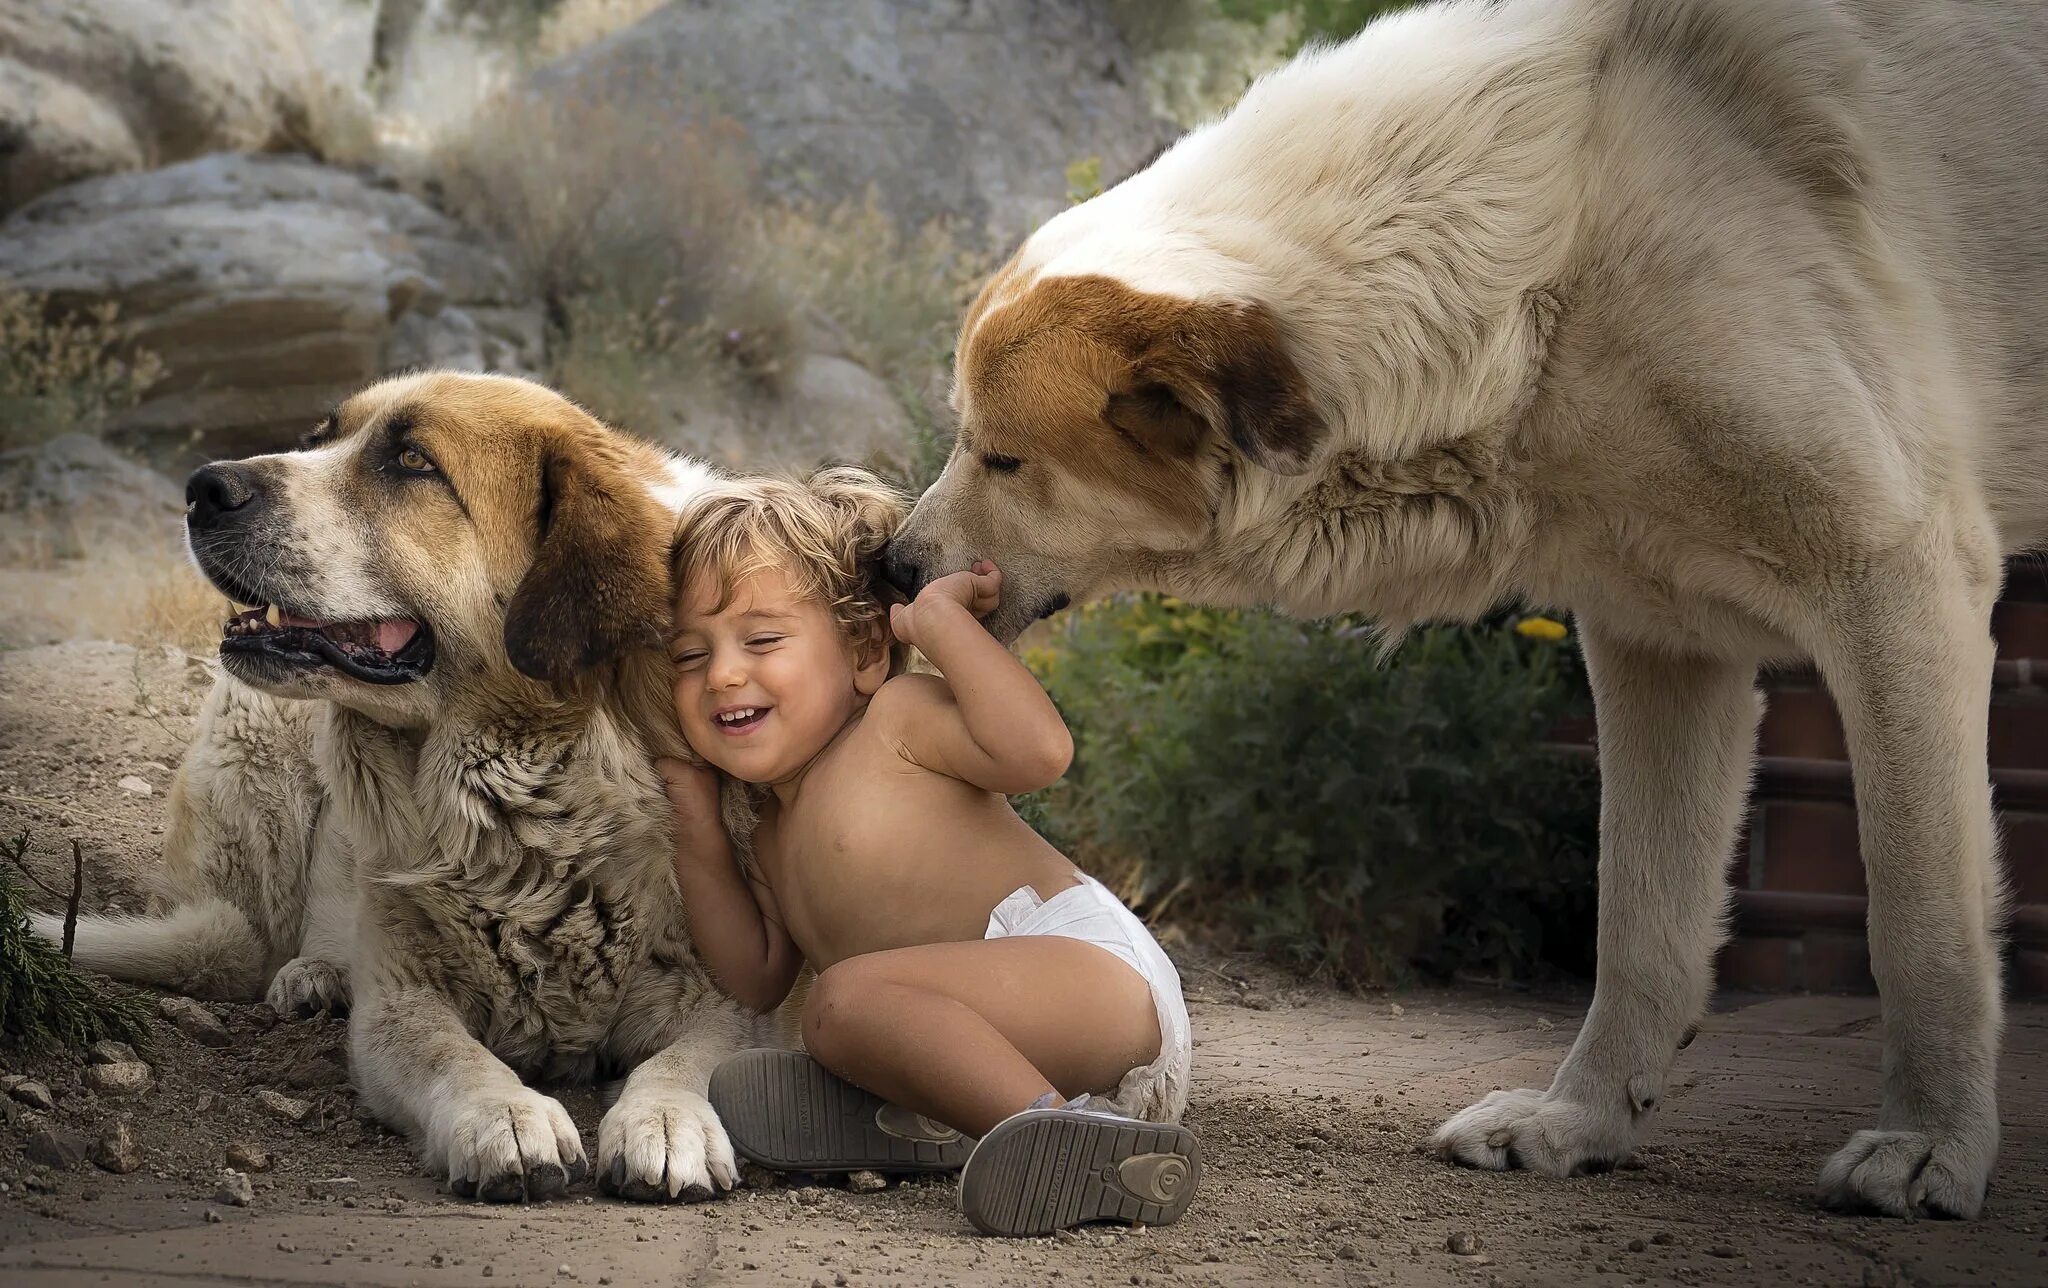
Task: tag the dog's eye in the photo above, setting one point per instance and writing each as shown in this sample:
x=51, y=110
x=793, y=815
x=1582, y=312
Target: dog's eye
x=414, y=461
x=1000, y=463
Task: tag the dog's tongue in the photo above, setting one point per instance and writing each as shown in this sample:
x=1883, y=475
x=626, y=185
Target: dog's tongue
x=393, y=635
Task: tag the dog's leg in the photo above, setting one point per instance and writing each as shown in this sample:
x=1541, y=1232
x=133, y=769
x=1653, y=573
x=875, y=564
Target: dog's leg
x=1909, y=661
x=419, y=1069
x=318, y=978
x=662, y=1140
x=1677, y=738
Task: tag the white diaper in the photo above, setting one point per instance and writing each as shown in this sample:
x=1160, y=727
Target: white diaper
x=1156, y=1092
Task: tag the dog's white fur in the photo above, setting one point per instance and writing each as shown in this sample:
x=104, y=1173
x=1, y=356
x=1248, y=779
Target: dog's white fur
x=482, y=861
x=1718, y=322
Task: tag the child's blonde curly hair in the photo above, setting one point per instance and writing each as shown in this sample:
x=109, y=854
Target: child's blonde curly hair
x=824, y=533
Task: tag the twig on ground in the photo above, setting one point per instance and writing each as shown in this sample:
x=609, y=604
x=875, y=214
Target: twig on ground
x=16, y=852
x=77, y=893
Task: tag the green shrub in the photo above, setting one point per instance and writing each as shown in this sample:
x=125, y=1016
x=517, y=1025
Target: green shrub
x=64, y=371
x=1355, y=818
x=44, y=1001
x=1312, y=20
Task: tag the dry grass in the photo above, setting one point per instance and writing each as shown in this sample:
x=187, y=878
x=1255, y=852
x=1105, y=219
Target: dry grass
x=671, y=282
x=576, y=23
x=61, y=371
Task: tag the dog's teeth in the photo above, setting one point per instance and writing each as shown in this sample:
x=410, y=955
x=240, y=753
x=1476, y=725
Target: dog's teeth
x=272, y=615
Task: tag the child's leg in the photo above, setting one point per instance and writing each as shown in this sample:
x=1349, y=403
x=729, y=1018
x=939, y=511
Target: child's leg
x=969, y=1033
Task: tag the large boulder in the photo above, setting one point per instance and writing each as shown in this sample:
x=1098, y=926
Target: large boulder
x=90, y=87
x=971, y=109
x=270, y=287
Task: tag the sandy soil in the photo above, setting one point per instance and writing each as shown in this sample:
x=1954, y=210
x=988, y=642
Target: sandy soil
x=1311, y=1106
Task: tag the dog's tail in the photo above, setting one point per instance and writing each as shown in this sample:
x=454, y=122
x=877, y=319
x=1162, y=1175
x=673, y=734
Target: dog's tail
x=204, y=949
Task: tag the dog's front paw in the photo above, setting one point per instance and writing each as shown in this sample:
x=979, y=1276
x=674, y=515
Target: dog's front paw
x=1907, y=1173
x=659, y=1144
x=306, y=985
x=1538, y=1130
x=513, y=1148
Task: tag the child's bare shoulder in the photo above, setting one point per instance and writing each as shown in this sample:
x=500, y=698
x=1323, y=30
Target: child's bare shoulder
x=905, y=700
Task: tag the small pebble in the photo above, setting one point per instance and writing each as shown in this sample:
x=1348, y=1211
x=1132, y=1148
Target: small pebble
x=234, y=1189
x=282, y=1106
x=108, y=1051
x=134, y=786
x=213, y=1216
x=128, y=1078
x=1637, y=1245
x=1463, y=1244
x=191, y=1018
x=1720, y=1250
x=866, y=1182
x=117, y=1150
x=57, y=1147
x=244, y=1157
x=33, y=1094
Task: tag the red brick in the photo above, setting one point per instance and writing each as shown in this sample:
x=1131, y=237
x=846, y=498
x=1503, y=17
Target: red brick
x=2029, y=976
x=1808, y=845
x=1763, y=965
x=1801, y=722
x=2019, y=728
x=2026, y=854
x=1836, y=963
x=2021, y=629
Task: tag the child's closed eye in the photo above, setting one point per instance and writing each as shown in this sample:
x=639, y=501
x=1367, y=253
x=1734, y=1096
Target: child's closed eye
x=764, y=640
x=690, y=658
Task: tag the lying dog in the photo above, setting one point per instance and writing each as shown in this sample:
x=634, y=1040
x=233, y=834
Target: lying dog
x=1716, y=321
x=468, y=577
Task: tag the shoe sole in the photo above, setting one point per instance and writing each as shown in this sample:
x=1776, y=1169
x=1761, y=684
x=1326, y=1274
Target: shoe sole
x=786, y=1112
x=1049, y=1170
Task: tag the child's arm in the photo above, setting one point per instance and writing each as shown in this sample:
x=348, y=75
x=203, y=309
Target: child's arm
x=989, y=723
x=734, y=922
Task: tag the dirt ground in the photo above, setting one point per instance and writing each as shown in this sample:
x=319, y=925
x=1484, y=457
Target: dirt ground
x=1311, y=1106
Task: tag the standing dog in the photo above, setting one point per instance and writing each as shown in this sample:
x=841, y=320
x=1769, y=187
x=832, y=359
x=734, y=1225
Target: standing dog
x=464, y=579
x=1720, y=322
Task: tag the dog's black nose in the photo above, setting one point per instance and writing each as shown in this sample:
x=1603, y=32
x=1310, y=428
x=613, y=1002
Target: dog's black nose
x=903, y=570
x=215, y=490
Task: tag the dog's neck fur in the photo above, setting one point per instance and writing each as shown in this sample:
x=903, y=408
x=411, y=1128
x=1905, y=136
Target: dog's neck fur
x=563, y=779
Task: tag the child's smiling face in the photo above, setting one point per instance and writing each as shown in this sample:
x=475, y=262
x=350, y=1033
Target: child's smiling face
x=764, y=682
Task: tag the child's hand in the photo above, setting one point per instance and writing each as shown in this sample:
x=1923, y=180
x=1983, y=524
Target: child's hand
x=692, y=793
x=978, y=590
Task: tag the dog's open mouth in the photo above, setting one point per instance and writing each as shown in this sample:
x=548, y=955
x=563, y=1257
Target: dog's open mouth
x=392, y=650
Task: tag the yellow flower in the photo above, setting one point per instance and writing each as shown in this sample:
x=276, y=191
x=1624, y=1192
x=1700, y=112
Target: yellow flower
x=1541, y=628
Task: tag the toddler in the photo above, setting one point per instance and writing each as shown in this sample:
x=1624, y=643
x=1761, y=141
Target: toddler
x=979, y=1002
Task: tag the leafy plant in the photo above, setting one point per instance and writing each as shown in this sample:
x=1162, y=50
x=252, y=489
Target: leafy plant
x=1354, y=818
x=44, y=1000
x=65, y=370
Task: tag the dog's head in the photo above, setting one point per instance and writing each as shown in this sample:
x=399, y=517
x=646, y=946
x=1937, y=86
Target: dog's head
x=1099, y=428
x=433, y=533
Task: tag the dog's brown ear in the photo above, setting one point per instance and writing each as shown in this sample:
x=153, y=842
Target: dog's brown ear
x=599, y=583
x=1221, y=367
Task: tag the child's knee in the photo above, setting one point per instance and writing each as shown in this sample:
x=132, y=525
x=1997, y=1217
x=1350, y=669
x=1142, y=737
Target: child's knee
x=834, y=996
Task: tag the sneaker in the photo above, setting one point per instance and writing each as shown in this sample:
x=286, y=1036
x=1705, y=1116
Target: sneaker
x=1047, y=1169
x=788, y=1113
